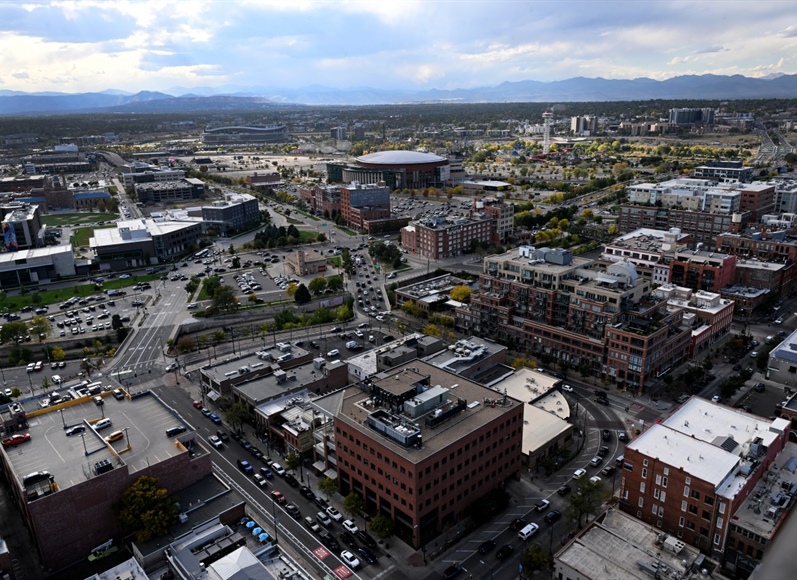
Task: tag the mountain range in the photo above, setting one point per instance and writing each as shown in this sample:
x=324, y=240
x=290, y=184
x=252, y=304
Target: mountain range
x=578, y=89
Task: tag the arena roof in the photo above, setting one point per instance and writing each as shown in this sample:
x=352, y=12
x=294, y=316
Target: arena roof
x=399, y=158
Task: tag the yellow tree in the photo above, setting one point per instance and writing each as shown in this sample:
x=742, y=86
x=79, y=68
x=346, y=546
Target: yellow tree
x=461, y=293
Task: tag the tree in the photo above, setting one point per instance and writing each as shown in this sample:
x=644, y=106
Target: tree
x=586, y=498
x=45, y=384
x=224, y=298
x=116, y=322
x=57, y=353
x=146, y=510
x=40, y=327
x=431, y=330
x=186, y=344
x=535, y=557
x=328, y=487
x=292, y=461
x=238, y=415
x=35, y=298
x=302, y=295
x=210, y=285
x=382, y=526
x=291, y=289
x=461, y=293
x=317, y=285
x=335, y=283
x=353, y=504
x=236, y=262
x=12, y=331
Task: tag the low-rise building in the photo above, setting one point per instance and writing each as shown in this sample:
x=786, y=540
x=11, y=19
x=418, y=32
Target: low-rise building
x=707, y=313
x=235, y=213
x=702, y=270
x=649, y=250
x=168, y=191
x=37, y=265
x=322, y=199
x=391, y=355
x=142, y=242
x=437, y=238
x=302, y=263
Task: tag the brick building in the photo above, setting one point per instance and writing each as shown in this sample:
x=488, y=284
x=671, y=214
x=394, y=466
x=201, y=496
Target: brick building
x=360, y=203
x=322, y=199
x=438, y=238
x=420, y=445
x=690, y=474
x=701, y=270
x=702, y=227
x=759, y=245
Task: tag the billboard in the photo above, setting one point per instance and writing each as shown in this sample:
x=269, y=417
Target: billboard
x=10, y=237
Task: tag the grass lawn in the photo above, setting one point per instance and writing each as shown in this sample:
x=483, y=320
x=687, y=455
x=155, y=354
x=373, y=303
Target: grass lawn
x=65, y=219
x=81, y=236
x=337, y=260
x=308, y=237
x=347, y=230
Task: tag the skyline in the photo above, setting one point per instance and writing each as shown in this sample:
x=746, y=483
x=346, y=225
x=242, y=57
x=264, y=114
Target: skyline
x=177, y=45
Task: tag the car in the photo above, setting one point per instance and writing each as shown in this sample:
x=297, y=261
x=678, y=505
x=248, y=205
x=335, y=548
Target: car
x=333, y=352
x=278, y=469
x=366, y=539
x=311, y=524
x=267, y=473
x=542, y=505
x=504, y=552
x=603, y=451
x=334, y=514
x=351, y=560
x=622, y=436
x=293, y=511
x=348, y=539
x=754, y=354
x=277, y=496
x=553, y=516
x=486, y=547
x=364, y=553
x=596, y=461
x=215, y=418
x=215, y=441
x=260, y=480
x=595, y=479
x=608, y=470
x=75, y=429
x=329, y=540
x=323, y=519
x=452, y=571
x=172, y=367
x=716, y=399
x=17, y=439
x=197, y=404
x=321, y=502
x=759, y=387
x=606, y=434
x=564, y=490
x=291, y=480
x=206, y=412
x=307, y=492
x=245, y=466
x=567, y=388
x=118, y=394
x=350, y=526
x=256, y=453
x=579, y=473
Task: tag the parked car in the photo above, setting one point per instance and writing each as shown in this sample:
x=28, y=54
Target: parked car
x=277, y=468
x=278, y=497
x=245, y=466
x=504, y=552
x=553, y=516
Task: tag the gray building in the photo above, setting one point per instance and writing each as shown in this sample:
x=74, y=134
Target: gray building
x=235, y=213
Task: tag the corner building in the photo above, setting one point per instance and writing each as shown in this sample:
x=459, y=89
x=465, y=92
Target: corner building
x=420, y=445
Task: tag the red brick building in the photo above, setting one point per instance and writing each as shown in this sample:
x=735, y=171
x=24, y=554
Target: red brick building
x=322, y=200
x=439, y=238
x=360, y=203
x=420, y=445
x=690, y=474
x=701, y=270
x=758, y=198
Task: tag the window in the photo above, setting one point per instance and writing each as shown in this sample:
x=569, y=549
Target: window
x=696, y=495
x=644, y=462
x=688, y=481
x=683, y=506
x=655, y=494
x=720, y=521
x=664, y=482
x=686, y=491
x=658, y=479
x=666, y=471
x=663, y=496
x=681, y=521
x=722, y=507
x=644, y=473
x=690, y=526
x=692, y=510
x=654, y=509
x=661, y=510
x=642, y=487
x=708, y=500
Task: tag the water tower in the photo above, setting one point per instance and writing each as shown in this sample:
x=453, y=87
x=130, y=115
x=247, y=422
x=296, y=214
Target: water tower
x=546, y=137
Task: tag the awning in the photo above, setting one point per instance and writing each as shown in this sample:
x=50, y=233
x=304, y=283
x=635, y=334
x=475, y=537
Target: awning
x=213, y=396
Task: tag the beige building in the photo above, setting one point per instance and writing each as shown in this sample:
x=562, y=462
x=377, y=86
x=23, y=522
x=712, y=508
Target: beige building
x=303, y=263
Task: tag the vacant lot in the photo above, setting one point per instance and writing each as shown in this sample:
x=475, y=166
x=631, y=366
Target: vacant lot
x=65, y=219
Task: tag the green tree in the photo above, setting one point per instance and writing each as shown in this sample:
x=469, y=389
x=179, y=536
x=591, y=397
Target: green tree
x=35, y=298
x=586, y=498
x=291, y=289
x=382, y=526
x=236, y=262
x=335, y=283
x=12, y=331
x=40, y=327
x=57, y=353
x=292, y=461
x=353, y=504
x=186, y=344
x=45, y=384
x=238, y=415
x=116, y=322
x=210, y=285
x=224, y=299
x=146, y=510
x=328, y=487
x=302, y=295
x=535, y=557
x=317, y=285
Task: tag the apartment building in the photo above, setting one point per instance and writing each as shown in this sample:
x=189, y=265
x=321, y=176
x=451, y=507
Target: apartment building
x=439, y=237
x=649, y=250
x=419, y=445
x=554, y=305
x=725, y=171
x=236, y=212
x=700, y=270
x=360, y=203
x=321, y=199
x=756, y=244
x=690, y=475
x=503, y=214
x=702, y=227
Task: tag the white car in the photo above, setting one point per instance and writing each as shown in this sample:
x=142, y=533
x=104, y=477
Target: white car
x=567, y=388
x=333, y=352
x=215, y=441
x=350, y=527
x=172, y=367
x=350, y=559
x=334, y=514
x=278, y=469
x=358, y=334
x=124, y=276
x=595, y=479
x=715, y=399
x=260, y=480
x=579, y=473
x=56, y=379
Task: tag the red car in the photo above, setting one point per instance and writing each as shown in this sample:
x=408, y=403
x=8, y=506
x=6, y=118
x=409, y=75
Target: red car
x=197, y=404
x=16, y=440
x=278, y=497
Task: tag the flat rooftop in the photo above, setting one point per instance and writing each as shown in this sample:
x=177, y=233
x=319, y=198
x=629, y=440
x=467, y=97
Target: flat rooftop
x=787, y=349
x=465, y=354
x=269, y=387
x=14, y=257
x=349, y=406
x=70, y=460
x=616, y=545
x=229, y=368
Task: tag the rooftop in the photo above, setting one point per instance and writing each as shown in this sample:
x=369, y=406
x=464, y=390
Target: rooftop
x=465, y=354
x=786, y=349
x=230, y=367
x=400, y=158
x=70, y=459
x=616, y=545
x=274, y=385
x=33, y=253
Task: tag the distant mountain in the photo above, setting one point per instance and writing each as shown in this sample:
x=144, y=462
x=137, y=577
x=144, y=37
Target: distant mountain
x=579, y=89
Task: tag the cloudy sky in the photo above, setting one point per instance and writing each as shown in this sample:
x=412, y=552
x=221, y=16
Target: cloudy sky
x=93, y=45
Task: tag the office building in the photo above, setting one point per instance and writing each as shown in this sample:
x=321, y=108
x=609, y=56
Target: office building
x=235, y=213
x=502, y=214
x=169, y=191
x=727, y=171
x=26, y=224
x=584, y=126
x=692, y=116
x=37, y=265
x=702, y=227
x=648, y=250
x=420, y=445
x=360, y=203
x=440, y=237
x=702, y=270
x=140, y=172
x=143, y=242
x=321, y=199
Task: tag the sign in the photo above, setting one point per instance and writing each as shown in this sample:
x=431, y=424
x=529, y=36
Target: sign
x=321, y=552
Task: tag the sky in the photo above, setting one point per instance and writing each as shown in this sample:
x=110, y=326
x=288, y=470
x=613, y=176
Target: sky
x=133, y=45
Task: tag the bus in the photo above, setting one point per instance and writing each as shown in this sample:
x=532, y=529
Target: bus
x=202, y=253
